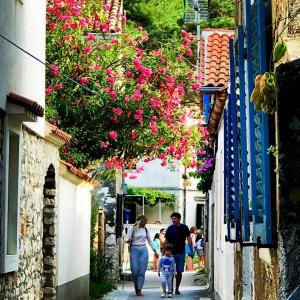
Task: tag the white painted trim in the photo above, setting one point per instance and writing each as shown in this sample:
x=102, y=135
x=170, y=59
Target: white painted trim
x=9, y=263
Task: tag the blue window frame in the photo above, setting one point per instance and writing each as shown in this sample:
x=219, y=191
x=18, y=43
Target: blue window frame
x=247, y=163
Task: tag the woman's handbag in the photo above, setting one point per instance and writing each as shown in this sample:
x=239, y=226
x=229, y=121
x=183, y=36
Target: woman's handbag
x=131, y=239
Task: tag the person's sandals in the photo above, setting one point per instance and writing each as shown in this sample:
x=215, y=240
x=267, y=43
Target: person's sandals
x=177, y=293
x=170, y=295
x=163, y=295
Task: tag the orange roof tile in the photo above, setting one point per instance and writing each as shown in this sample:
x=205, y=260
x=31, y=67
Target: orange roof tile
x=56, y=131
x=116, y=8
x=214, y=56
x=80, y=174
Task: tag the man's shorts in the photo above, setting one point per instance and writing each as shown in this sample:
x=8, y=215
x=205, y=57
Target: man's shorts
x=179, y=261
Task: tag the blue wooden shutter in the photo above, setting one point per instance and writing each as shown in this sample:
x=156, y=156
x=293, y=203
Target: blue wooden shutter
x=231, y=176
x=258, y=127
x=241, y=97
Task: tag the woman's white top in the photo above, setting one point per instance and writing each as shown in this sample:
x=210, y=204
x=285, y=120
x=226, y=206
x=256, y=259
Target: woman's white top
x=198, y=245
x=140, y=235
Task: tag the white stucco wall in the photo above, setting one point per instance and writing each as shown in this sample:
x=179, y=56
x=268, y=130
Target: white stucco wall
x=74, y=215
x=222, y=252
x=23, y=24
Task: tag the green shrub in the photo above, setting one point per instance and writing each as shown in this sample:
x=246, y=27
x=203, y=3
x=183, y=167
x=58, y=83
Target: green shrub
x=100, y=267
x=98, y=290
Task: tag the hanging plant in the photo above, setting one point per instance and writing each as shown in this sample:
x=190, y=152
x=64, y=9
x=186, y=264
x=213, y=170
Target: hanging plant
x=205, y=169
x=264, y=93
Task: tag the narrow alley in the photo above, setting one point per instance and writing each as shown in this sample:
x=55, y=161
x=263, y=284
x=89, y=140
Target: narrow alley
x=192, y=287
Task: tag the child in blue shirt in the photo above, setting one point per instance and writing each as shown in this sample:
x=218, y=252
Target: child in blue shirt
x=167, y=268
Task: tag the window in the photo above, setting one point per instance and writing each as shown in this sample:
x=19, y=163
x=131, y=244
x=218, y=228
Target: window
x=10, y=196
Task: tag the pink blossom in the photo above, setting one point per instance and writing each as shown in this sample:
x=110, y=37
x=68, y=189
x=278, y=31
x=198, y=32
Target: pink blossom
x=107, y=89
x=59, y=86
x=52, y=26
x=156, y=52
x=106, y=7
x=96, y=67
x=115, y=41
x=141, y=80
x=74, y=25
x=113, y=94
x=118, y=111
x=84, y=80
x=83, y=23
x=163, y=163
x=188, y=52
x=137, y=95
x=134, y=134
x=109, y=72
x=104, y=144
x=140, y=52
x=87, y=50
x=139, y=169
x=68, y=38
x=132, y=177
x=48, y=90
x=126, y=99
x=75, y=10
x=196, y=86
x=104, y=27
x=91, y=37
x=54, y=70
x=183, y=32
x=113, y=135
x=129, y=74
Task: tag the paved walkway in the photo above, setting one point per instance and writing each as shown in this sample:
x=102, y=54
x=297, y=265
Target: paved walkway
x=190, y=289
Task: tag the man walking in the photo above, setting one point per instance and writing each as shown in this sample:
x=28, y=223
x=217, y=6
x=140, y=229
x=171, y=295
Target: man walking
x=177, y=234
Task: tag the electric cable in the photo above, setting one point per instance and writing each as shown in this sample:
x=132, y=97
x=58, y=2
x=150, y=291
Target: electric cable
x=49, y=66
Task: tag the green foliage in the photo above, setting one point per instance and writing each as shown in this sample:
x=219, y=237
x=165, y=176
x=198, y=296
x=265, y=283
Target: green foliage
x=273, y=150
x=124, y=102
x=98, y=290
x=152, y=197
x=221, y=14
x=160, y=17
x=94, y=219
x=100, y=267
x=280, y=49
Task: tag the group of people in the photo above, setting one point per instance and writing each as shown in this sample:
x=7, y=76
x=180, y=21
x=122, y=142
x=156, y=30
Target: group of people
x=169, y=247
x=198, y=240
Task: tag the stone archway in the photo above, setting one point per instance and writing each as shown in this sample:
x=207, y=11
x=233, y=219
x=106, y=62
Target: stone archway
x=49, y=235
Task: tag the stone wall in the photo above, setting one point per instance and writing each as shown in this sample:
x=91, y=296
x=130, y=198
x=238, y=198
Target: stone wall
x=36, y=157
x=107, y=198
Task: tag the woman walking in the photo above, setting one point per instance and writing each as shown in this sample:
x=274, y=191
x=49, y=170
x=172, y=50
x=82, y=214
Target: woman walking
x=136, y=237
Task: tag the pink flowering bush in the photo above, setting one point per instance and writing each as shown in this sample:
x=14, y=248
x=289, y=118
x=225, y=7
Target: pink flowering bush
x=121, y=102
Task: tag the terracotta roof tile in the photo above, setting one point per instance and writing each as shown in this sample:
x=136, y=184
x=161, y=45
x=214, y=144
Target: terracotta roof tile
x=28, y=104
x=55, y=130
x=116, y=8
x=79, y=173
x=214, y=55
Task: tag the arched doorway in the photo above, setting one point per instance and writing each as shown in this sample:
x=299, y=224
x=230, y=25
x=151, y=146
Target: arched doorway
x=49, y=235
